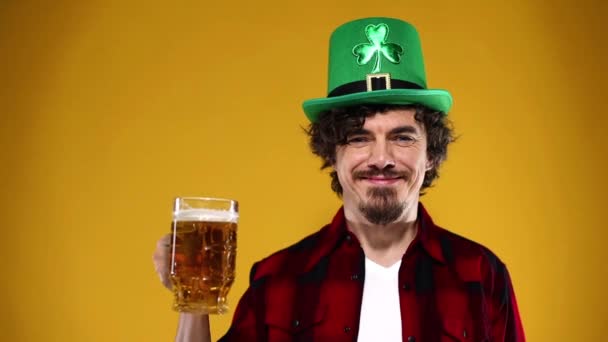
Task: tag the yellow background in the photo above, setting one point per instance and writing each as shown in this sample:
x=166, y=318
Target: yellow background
x=110, y=109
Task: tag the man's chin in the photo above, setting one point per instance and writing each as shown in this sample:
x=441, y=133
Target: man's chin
x=382, y=215
x=382, y=211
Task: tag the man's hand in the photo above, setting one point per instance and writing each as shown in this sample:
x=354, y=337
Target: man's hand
x=162, y=260
x=190, y=327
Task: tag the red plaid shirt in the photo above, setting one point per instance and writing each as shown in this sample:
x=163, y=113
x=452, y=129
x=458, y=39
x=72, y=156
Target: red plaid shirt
x=450, y=289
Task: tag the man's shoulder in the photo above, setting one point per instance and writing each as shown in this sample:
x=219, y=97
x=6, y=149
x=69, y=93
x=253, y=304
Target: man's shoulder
x=462, y=246
x=292, y=260
x=467, y=255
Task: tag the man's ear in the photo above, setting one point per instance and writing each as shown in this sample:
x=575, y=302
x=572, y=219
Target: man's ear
x=429, y=165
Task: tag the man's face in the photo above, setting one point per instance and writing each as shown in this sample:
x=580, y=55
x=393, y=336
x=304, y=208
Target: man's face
x=381, y=167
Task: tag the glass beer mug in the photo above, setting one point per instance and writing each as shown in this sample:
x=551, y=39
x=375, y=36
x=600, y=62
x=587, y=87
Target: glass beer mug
x=203, y=253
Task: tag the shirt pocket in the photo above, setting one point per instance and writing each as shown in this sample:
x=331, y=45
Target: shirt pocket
x=455, y=330
x=293, y=326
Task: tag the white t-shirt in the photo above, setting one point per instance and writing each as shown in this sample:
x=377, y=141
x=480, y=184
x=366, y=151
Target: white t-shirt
x=380, y=318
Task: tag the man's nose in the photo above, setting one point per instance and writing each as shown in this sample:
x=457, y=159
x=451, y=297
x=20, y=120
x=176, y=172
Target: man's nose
x=381, y=156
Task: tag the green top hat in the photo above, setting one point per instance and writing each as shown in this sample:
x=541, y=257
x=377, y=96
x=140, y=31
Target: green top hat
x=376, y=61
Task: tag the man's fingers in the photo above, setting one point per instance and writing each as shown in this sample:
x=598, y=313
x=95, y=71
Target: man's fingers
x=164, y=242
x=161, y=259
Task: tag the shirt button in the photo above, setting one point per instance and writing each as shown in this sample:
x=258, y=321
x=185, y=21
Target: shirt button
x=354, y=277
x=295, y=323
x=411, y=339
x=407, y=287
x=347, y=329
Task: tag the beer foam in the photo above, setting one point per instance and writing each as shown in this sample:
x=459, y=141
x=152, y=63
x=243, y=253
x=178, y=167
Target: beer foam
x=209, y=215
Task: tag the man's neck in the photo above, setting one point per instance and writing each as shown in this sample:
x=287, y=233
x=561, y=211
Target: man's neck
x=384, y=244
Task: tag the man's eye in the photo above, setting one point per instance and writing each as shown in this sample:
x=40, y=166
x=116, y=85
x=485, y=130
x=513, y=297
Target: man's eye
x=405, y=139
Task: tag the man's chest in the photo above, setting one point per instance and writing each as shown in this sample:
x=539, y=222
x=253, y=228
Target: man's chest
x=435, y=305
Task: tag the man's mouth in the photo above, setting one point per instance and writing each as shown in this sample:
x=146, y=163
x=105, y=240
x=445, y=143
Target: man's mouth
x=382, y=180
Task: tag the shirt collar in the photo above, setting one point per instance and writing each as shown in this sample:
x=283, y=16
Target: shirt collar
x=329, y=238
x=429, y=235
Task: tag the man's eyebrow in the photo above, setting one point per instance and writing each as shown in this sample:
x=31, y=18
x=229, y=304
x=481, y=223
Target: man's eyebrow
x=404, y=129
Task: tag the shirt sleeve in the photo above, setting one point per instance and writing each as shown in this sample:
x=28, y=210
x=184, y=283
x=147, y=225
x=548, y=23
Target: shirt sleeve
x=247, y=322
x=506, y=324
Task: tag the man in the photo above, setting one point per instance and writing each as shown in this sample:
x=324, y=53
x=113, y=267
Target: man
x=381, y=270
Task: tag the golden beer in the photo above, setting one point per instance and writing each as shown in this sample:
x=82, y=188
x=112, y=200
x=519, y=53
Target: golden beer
x=203, y=259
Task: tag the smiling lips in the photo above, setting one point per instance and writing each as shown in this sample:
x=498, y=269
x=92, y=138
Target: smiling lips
x=382, y=180
x=376, y=177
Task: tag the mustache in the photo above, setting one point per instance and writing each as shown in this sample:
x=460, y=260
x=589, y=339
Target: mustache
x=387, y=173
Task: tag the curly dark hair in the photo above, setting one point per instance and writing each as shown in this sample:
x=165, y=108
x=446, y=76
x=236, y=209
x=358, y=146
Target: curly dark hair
x=333, y=127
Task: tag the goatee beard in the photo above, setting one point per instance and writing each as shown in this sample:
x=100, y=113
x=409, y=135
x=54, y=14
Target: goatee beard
x=383, y=207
